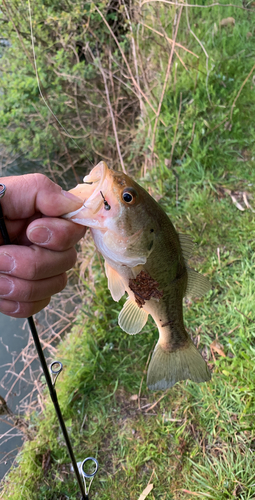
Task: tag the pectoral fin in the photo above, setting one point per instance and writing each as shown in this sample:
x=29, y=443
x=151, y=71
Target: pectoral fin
x=115, y=283
x=132, y=318
x=121, y=249
x=197, y=285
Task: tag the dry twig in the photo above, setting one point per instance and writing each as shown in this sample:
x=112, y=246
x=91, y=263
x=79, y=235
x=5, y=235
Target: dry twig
x=166, y=80
x=240, y=90
x=126, y=62
x=183, y=4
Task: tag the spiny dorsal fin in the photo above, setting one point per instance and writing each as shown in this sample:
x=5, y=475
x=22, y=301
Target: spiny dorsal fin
x=197, y=285
x=115, y=283
x=187, y=245
x=132, y=318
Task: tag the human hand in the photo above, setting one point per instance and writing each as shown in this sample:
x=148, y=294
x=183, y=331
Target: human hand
x=34, y=266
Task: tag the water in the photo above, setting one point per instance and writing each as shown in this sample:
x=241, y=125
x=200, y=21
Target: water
x=14, y=336
x=13, y=339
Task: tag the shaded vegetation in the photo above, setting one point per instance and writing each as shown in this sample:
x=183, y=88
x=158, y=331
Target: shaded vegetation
x=193, y=441
x=80, y=72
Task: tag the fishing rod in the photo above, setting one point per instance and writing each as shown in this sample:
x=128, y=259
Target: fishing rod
x=55, y=368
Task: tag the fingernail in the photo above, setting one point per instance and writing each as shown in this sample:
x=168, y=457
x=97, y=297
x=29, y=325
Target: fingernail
x=7, y=263
x=39, y=234
x=9, y=307
x=6, y=287
x=71, y=196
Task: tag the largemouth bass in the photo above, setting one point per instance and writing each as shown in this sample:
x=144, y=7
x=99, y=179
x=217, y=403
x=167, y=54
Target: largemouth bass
x=145, y=257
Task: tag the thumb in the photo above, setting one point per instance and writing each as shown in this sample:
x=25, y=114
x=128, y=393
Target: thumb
x=33, y=193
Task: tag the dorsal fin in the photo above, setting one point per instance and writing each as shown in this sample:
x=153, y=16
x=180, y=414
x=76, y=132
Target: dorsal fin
x=187, y=245
x=197, y=285
x=132, y=318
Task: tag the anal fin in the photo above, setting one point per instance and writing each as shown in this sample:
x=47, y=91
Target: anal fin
x=132, y=318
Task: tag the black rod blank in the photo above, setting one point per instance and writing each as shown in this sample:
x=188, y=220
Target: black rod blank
x=41, y=356
x=54, y=399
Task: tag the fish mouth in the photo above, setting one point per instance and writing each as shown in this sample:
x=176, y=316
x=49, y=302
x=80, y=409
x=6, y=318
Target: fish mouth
x=95, y=184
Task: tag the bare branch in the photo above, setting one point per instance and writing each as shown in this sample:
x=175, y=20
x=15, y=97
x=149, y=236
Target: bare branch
x=166, y=80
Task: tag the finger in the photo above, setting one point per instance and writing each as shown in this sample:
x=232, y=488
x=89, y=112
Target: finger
x=15, y=229
x=35, y=263
x=15, y=289
x=31, y=193
x=55, y=234
x=22, y=309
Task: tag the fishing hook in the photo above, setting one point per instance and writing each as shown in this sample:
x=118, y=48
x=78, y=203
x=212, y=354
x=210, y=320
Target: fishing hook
x=55, y=369
x=106, y=204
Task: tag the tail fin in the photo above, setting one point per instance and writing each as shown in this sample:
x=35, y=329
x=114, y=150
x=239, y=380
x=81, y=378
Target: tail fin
x=167, y=368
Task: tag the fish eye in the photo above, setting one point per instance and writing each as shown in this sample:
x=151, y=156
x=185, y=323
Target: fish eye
x=129, y=196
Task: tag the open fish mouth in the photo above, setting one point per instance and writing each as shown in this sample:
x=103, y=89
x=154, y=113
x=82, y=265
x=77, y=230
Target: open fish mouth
x=90, y=193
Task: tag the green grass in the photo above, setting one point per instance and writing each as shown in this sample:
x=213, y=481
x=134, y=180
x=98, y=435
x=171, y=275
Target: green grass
x=198, y=441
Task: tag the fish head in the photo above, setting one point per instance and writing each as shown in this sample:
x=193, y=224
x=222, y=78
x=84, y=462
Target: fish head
x=91, y=194
x=111, y=200
x=115, y=204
